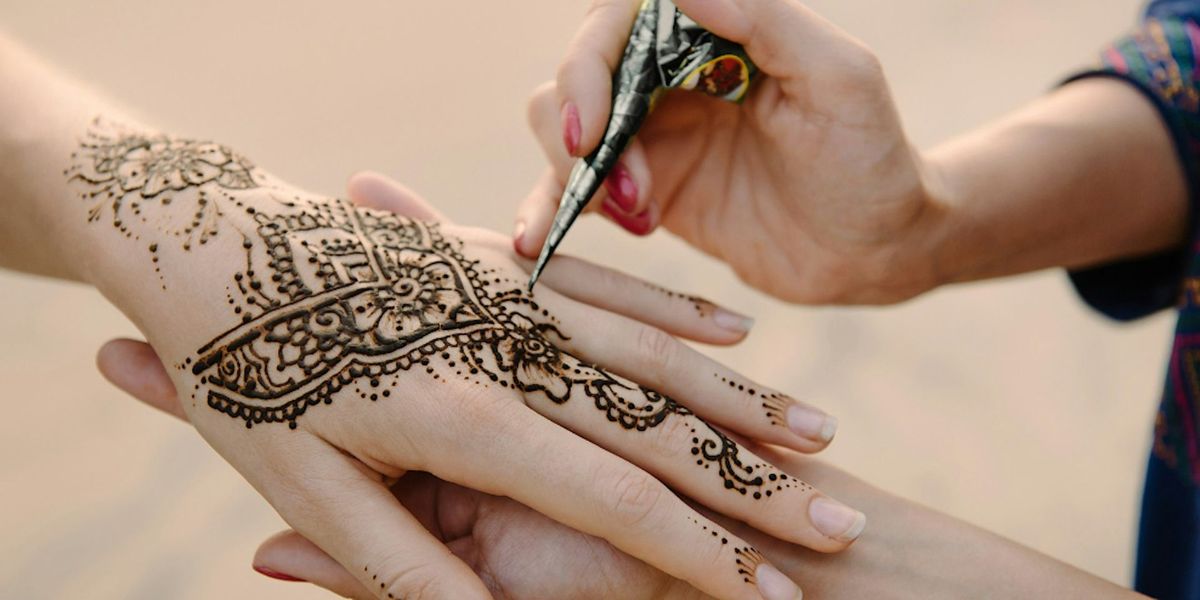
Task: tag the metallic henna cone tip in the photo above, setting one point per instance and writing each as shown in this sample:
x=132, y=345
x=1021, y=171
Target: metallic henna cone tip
x=666, y=49
x=569, y=208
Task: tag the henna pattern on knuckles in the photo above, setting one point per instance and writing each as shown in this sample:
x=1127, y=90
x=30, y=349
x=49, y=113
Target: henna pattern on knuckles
x=334, y=298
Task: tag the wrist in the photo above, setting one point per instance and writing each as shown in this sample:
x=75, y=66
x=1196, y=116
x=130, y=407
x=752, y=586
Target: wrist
x=909, y=264
x=945, y=258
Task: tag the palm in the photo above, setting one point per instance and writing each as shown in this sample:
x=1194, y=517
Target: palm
x=756, y=170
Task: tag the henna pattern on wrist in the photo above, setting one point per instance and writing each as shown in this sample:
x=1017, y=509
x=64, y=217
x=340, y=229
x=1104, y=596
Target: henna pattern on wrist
x=334, y=297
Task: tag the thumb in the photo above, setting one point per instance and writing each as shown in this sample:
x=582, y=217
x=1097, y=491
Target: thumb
x=289, y=556
x=786, y=39
x=134, y=368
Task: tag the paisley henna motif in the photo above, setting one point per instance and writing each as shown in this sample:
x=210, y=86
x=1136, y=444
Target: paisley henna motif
x=334, y=297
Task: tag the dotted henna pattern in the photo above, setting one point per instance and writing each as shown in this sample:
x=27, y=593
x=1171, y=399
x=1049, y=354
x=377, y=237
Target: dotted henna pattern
x=332, y=298
x=774, y=404
x=748, y=560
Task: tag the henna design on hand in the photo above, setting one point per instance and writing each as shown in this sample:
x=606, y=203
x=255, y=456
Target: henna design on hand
x=334, y=297
x=138, y=176
x=748, y=561
x=704, y=308
x=774, y=404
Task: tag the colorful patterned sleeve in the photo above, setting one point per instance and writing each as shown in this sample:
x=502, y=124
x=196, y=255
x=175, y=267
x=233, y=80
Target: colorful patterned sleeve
x=1160, y=59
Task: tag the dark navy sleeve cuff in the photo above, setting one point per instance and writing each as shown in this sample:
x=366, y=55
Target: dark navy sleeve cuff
x=1159, y=61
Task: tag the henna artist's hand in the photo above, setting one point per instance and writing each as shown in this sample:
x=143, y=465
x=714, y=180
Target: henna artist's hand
x=810, y=189
x=358, y=345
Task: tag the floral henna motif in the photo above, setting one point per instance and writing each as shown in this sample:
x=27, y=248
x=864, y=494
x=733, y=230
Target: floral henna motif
x=335, y=298
x=137, y=177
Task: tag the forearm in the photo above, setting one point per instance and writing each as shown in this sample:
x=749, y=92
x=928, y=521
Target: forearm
x=1086, y=175
x=91, y=195
x=42, y=116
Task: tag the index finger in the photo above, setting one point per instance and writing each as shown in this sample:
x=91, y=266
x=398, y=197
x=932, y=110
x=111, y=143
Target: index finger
x=585, y=75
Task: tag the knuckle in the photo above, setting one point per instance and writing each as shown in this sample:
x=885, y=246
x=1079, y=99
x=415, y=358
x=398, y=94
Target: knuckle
x=480, y=410
x=670, y=437
x=540, y=105
x=412, y=581
x=570, y=69
x=657, y=346
x=861, y=66
x=634, y=497
x=602, y=10
x=613, y=283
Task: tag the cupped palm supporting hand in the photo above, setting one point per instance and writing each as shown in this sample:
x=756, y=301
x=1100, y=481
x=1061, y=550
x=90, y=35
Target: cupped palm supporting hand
x=409, y=345
x=809, y=190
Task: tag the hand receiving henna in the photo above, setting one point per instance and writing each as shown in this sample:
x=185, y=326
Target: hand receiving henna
x=360, y=345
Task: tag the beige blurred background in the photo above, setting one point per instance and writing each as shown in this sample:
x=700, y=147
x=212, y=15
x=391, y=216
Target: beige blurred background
x=1007, y=404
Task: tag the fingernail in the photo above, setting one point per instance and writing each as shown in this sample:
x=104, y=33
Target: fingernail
x=621, y=187
x=572, y=130
x=276, y=574
x=808, y=422
x=774, y=585
x=836, y=520
x=640, y=224
x=731, y=321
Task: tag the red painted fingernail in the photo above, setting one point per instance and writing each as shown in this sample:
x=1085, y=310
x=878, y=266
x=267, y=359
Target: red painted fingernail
x=639, y=224
x=572, y=130
x=277, y=575
x=622, y=188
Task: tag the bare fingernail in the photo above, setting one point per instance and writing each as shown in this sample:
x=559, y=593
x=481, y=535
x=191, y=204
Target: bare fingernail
x=572, y=130
x=731, y=321
x=622, y=188
x=774, y=585
x=836, y=520
x=273, y=574
x=810, y=423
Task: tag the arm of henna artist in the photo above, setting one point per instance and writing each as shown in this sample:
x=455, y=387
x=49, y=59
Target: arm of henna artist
x=1094, y=159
